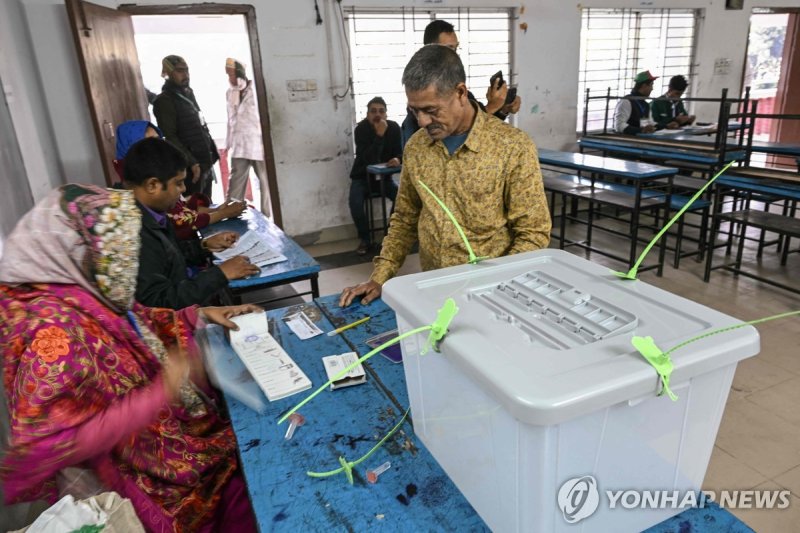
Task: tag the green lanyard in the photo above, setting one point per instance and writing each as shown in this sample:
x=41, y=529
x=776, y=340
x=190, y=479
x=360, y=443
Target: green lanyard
x=631, y=274
x=473, y=259
x=661, y=360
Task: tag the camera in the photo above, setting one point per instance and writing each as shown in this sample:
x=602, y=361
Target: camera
x=512, y=91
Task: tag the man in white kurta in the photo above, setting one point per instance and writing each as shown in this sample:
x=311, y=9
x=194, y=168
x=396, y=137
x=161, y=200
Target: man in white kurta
x=243, y=141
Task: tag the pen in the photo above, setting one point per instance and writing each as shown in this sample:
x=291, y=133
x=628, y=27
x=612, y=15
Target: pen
x=348, y=326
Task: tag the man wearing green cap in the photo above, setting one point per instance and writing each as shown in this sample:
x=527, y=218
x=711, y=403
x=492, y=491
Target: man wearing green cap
x=632, y=114
x=182, y=123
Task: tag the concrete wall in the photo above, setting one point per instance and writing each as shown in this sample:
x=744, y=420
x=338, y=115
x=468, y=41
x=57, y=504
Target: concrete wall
x=312, y=140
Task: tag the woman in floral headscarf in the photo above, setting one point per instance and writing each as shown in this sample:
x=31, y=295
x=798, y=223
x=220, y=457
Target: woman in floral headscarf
x=96, y=381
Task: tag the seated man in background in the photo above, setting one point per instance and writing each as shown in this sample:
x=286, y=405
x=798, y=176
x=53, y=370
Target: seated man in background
x=485, y=171
x=632, y=114
x=377, y=141
x=669, y=111
x=155, y=170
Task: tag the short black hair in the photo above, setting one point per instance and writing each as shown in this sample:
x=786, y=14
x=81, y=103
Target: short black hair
x=153, y=158
x=436, y=28
x=437, y=65
x=376, y=100
x=678, y=83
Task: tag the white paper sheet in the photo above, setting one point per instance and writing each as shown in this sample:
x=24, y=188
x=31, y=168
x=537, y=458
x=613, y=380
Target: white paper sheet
x=269, y=364
x=254, y=247
x=302, y=326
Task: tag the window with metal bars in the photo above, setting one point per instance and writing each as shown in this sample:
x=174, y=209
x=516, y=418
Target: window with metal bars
x=382, y=42
x=618, y=43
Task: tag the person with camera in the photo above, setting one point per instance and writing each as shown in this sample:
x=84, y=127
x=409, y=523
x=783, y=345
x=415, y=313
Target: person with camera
x=500, y=100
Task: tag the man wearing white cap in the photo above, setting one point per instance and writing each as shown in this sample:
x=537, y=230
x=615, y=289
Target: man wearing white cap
x=243, y=142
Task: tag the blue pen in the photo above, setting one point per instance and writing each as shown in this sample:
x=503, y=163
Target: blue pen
x=132, y=320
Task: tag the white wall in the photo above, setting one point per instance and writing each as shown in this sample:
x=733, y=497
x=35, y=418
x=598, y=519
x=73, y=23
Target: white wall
x=312, y=140
x=25, y=98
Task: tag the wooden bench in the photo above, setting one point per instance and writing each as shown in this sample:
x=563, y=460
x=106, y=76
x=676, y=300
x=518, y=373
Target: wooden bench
x=786, y=226
x=621, y=196
x=743, y=188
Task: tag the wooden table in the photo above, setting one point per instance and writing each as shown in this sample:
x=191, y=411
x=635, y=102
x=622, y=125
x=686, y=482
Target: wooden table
x=604, y=166
x=414, y=495
x=299, y=266
x=662, y=149
x=764, y=147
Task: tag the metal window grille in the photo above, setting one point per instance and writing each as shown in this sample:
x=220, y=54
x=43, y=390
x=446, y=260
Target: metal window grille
x=618, y=43
x=382, y=42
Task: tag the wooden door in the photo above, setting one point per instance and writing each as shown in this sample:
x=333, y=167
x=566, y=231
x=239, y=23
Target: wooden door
x=110, y=68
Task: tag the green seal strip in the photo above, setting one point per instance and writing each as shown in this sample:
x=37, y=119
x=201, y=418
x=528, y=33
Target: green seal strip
x=347, y=466
x=631, y=274
x=438, y=330
x=661, y=360
x=441, y=324
x=473, y=259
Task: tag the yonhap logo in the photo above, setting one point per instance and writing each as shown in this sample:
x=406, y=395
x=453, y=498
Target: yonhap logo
x=578, y=498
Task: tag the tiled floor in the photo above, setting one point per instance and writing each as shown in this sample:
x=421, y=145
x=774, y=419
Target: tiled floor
x=758, y=444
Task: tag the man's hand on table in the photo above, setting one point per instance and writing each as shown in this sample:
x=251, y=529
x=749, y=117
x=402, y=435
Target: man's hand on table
x=222, y=315
x=370, y=290
x=220, y=241
x=238, y=267
x=393, y=162
x=232, y=209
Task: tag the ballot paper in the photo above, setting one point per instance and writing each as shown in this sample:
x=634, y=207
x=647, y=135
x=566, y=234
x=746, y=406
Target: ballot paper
x=251, y=245
x=269, y=364
x=336, y=363
x=302, y=326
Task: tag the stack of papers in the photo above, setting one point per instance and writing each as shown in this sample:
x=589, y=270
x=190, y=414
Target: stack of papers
x=254, y=247
x=269, y=364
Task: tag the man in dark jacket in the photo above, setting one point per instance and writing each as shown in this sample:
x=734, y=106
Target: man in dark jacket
x=632, y=114
x=377, y=141
x=669, y=111
x=182, y=123
x=155, y=171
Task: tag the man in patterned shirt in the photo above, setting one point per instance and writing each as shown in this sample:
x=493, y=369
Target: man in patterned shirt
x=486, y=172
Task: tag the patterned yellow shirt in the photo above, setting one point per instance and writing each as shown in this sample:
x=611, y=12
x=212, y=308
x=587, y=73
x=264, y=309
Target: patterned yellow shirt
x=493, y=186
